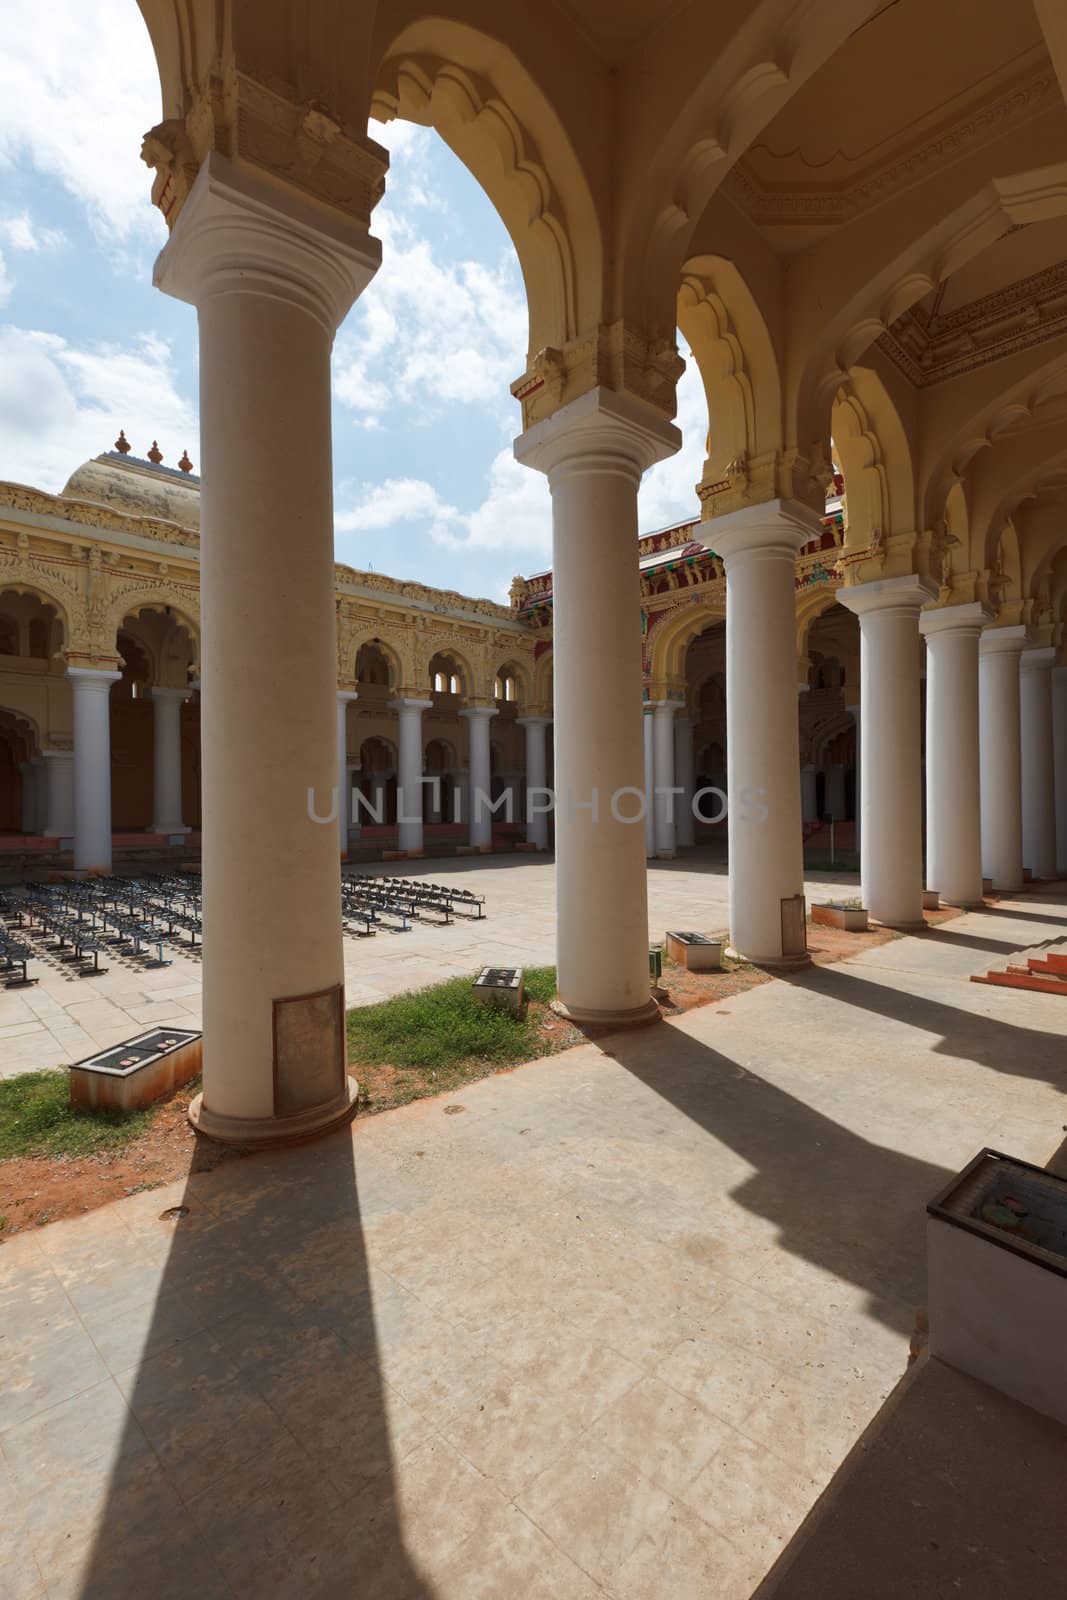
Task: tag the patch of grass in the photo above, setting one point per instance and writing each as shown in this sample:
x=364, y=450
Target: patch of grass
x=444, y=1026
x=36, y=1119
x=441, y=1037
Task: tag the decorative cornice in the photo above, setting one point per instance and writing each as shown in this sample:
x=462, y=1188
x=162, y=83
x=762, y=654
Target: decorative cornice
x=1027, y=95
x=930, y=346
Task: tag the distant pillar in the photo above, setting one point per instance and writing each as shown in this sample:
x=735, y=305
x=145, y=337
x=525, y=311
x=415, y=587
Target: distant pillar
x=666, y=803
x=345, y=698
x=409, y=774
x=92, y=767
x=59, y=793
x=685, y=778
x=167, y=760
x=536, y=779
x=999, y=755
x=1059, y=754
x=481, y=818
x=1038, y=783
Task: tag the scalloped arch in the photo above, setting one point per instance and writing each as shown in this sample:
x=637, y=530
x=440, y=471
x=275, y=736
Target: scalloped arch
x=542, y=198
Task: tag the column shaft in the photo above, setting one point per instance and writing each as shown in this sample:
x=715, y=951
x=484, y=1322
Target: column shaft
x=1038, y=782
x=953, y=774
x=271, y=275
x=345, y=698
x=59, y=781
x=92, y=768
x=891, y=749
x=1059, y=760
x=685, y=778
x=481, y=818
x=759, y=548
x=536, y=781
x=594, y=450
x=167, y=760
x=648, y=730
x=1000, y=756
x=666, y=808
x=409, y=790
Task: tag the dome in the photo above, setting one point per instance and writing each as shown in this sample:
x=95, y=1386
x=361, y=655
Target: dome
x=137, y=488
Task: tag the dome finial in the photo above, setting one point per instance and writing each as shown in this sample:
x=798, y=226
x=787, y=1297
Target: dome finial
x=155, y=454
x=185, y=464
x=122, y=444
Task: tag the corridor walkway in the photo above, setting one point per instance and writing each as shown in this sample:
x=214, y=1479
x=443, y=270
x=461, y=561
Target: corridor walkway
x=604, y=1326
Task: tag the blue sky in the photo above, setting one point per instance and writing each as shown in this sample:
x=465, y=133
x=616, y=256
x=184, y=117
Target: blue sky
x=425, y=483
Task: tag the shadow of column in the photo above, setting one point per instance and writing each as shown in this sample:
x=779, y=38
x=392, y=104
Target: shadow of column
x=256, y=1458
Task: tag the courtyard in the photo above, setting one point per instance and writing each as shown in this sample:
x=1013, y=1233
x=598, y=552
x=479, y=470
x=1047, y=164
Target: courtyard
x=607, y=1324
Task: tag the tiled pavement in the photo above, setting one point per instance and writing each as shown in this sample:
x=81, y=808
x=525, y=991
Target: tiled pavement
x=64, y=1018
x=607, y=1331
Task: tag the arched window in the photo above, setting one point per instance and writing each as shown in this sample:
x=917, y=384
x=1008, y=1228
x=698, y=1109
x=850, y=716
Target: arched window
x=453, y=684
x=439, y=682
x=504, y=686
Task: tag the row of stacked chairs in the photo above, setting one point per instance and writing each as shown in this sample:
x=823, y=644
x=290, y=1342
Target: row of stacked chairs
x=79, y=922
x=15, y=953
x=393, y=904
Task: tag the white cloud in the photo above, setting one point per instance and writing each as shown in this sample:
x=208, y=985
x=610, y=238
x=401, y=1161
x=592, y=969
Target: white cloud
x=78, y=88
x=383, y=505
x=7, y=282
x=61, y=403
x=668, y=491
x=22, y=233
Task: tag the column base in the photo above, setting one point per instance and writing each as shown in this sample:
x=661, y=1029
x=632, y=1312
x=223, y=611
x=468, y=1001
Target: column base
x=665, y=855
x=262, y=1133
x=636, y=1017
x=772, y=963
x=168, y=827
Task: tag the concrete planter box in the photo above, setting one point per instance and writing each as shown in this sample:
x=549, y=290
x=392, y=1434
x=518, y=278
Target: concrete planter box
x=138, y=1072
x=996, y=1244
x=931, y=899
x=695, y=951
x=853, y=919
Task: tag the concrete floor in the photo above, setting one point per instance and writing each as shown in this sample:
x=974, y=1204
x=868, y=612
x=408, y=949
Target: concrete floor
x=65, y=1018
x=601, y=1326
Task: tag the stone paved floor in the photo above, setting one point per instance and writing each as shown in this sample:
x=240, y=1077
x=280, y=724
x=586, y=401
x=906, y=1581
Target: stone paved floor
x=606, y=1331
x=65, y=1018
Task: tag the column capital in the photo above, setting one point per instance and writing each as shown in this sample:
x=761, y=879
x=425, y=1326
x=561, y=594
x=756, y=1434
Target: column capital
x=996, y=641
x=57, y=755
x=906, y=593
x=408, y=703
x=345, y=697
x=1039, y=660
x=534, y=720
x=238, y=235
x=161, y=691
x=969, y=618
x=93, y=678
x=601, y=431
x=773, y=527
x=473, y=712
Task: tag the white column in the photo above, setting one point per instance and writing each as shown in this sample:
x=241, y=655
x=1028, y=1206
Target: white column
x=481, y=818
x=648, y=729
x=271, y=275
x=758, y=547
x=461, y=796
x=59, y=791
x=809, y=795
x=891, y=753
x=1038, y=781
x=684, y=777
x=92, y=767
x=409, y=790
x=999, y=755
x=167, y=760
x=594, y=450
x=345, y=698
x=953, y=768
x=666, y=810
x=536, y=780
x=1059, y=761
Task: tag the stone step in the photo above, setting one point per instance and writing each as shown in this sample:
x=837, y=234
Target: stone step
x=1022, y=978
